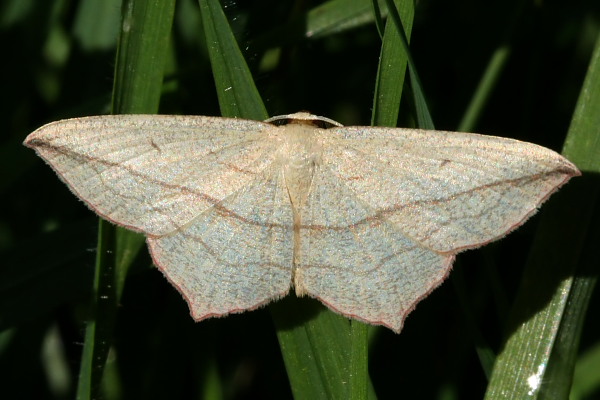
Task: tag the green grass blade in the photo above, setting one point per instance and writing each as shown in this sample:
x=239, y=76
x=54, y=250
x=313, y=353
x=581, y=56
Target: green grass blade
x=141, y=55
x=392, y=69
x=582, y=146
x=238, y=96
x=386, y=104
x=484, y=89
x=312, y=349
x=537, y=359
x=325, y=354
x=390, y=80
x=138, y=81
x=359, y=357
x=378, y=18
x=99, y=329
x=422, y=113
x=493, y=71
x=316, y=352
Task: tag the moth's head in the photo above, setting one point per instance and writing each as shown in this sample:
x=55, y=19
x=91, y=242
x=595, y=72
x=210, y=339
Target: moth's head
x=303, y=118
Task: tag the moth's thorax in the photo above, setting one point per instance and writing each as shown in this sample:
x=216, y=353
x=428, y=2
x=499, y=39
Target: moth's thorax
x=301, y=155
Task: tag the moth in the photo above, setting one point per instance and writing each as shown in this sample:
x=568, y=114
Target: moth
x=237, y=213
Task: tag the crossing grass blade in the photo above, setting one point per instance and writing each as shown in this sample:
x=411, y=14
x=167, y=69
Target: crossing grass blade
x=138, y=82
x=542, y=339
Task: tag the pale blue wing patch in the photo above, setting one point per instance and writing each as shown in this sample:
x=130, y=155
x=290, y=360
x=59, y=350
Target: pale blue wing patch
x=234, y=256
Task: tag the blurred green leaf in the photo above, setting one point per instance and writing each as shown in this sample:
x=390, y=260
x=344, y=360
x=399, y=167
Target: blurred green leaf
x=97, y=24
x=15, y=11
x=336, y=16
x=326, y=19
x=586, y=379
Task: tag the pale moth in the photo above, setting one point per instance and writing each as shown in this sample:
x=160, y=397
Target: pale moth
x=236, y=212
